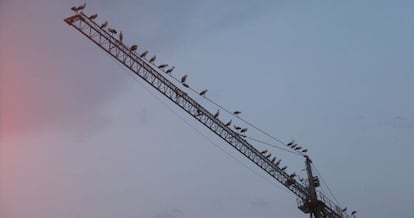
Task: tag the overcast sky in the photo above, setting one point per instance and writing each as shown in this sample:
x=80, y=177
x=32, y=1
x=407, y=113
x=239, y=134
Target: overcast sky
x=82, y=137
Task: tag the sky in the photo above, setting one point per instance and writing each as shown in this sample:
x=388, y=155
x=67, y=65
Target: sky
x=81, y=137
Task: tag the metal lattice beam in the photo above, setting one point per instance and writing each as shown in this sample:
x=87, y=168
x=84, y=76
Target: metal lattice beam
x=150, y=74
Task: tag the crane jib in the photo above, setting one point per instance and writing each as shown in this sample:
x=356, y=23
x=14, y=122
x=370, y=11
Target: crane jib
x=147, y=72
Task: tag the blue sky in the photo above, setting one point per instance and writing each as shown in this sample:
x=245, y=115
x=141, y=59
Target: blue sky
x=80, y=137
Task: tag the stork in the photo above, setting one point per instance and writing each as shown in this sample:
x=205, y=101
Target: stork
x=236, y=112
x=104, y=24
x=161, y=66
x=217, y=113
x=113, y=31
x=153, y=59
x=133, y=47
x=170, y=70
x=183, y=78
x=93, y=16
x=143, y=54
x=202, y=93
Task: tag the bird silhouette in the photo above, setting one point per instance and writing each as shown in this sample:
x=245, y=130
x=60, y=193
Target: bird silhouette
x=243, y=130
x=305, y=150
x=228, y=123
x=217, y=114
x=269, y=155
x=161, y=66
x=278, y=162
x=273, y=160
x=153, y=59
x=202, y=93
x=237, y=127
x=133, y=47
x=186, y=85
x=81, y=7
x=291, y=143
x=121, y=36
x=284, y=168
x=113, y=31
x=264, y=151
x=170, y=70
x=144, y=54
x=76, y=9
x=184, y=78
x=104, y=24
x=93, y=16
x=236, y=112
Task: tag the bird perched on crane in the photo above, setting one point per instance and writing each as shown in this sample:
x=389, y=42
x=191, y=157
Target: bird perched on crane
x=202, y=93
x=184, y=78
x=269, y=155
x=93, y=16
x=305, y=150
x=185, y=85
x=284, y=168
x=81, y=7
x=121, y=36
x=133, y=48
x=104, y=24
x=236, y=113
x=76, y=9
x=228, y=123
x=153, y=59
x=243, y=130
x=264, y=151
x=143, y=54
x=113, y=31
x=162, y=66
x=273, y=160
x=170, y=70
x=290, y=143
x=354, y=212
x=278, y=162
x=217, y=113
x=237, y=127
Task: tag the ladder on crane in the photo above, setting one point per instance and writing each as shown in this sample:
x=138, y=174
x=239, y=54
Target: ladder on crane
x=308, y=199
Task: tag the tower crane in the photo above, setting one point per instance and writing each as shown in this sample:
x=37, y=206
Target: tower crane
x=309, y=200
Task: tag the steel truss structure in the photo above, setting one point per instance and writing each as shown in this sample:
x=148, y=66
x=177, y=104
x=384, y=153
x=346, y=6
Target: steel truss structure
x=308, y=201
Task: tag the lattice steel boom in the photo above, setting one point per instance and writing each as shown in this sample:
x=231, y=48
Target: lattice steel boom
x=145, y=70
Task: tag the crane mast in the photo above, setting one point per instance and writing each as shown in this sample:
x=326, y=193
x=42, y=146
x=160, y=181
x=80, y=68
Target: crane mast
x=309, y=201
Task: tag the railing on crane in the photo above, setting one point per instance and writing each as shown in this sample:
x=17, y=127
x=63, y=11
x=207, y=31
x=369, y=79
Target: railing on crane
x=145, y=70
